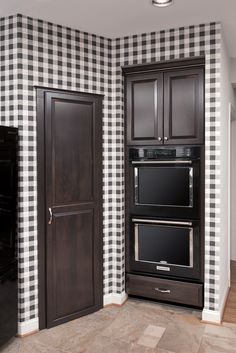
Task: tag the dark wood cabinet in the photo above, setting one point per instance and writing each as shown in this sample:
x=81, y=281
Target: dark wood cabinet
x=183, y=107
x=165, y=290
x=165, y=106
x=145, y=108
x=164, y=118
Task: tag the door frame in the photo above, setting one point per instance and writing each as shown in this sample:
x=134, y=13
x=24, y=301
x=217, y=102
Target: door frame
x=41, y=197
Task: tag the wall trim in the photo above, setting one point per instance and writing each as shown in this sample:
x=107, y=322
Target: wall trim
x=28, y=327
x=114, y=298
x=212, y=316
x=215, y=316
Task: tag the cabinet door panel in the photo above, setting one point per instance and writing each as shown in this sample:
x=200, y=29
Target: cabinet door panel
x=145, y=109
x=184, y=106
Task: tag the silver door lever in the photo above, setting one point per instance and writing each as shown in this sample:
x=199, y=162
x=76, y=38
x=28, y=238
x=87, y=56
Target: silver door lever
x=50, y=215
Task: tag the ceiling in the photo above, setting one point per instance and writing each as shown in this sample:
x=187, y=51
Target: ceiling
x=117, y=18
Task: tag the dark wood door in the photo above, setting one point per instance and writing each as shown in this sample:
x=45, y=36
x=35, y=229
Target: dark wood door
x=184, y=106
x=144, y=94
x=73, y=205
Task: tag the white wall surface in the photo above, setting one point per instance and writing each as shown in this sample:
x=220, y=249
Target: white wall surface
x=233, y=71
x=233, y=188
x=227, y=97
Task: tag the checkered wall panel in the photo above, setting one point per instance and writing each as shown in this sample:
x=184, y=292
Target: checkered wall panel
x=38, y=53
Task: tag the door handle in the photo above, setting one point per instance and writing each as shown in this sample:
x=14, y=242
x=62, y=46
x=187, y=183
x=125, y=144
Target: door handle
x=50, y=215
x=162, y=290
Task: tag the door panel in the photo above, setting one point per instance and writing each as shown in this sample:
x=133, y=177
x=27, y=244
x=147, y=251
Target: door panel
x=145, y=109
x=72, y=145
x=73, y=193
x=183, y=106
x=72, y=268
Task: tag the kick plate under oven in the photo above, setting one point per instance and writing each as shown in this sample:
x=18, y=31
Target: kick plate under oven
x=163, y=247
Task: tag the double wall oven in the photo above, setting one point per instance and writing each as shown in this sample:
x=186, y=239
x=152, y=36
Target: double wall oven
x=165, y=203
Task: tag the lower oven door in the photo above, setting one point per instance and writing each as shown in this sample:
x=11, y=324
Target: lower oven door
x=167, y=248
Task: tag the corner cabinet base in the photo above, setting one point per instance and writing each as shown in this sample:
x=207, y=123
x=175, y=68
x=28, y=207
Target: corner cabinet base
x=179, y=292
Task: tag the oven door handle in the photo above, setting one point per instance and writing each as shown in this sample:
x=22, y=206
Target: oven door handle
x=155, y=221
x=163, y=162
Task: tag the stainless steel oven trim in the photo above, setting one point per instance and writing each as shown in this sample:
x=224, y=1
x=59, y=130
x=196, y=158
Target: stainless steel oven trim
x=136, y=187
x=162, y=263
x=163, y=162
x=157, y=221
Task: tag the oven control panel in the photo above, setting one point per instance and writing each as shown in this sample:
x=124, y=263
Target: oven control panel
x=147, y=153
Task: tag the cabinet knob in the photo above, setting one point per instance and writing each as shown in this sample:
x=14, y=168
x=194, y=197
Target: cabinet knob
x=166, y=138
x=159, y=138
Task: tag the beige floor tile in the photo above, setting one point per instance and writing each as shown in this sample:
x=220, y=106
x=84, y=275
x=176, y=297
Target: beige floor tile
x=108, y=345
x=137, y=327
x=136, y=348
x=148, y=341
x=133, y=319
x=155, y=331
x=220, y=331
x=217, y=345
x=183, y=335
x=13, y=346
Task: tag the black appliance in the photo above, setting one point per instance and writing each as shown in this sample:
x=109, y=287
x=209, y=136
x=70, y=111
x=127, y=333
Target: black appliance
x=165, y=182
x=165, y=248
x=166, y=201
x=8, y=250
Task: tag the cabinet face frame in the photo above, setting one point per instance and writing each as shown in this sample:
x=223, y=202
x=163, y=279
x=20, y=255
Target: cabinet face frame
x=136, y=72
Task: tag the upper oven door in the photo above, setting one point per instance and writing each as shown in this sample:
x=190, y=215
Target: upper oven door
x=165, y=188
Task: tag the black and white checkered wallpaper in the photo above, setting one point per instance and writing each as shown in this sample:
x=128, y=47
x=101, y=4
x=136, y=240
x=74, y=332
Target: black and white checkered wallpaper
x=38, y=53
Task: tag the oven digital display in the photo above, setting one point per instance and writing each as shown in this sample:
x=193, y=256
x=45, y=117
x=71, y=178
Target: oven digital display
x=163, y=186
x=164, y=245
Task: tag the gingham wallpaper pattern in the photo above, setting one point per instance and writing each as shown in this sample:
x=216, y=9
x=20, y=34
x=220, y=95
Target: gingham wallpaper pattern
x=38, y=53
x=52, y=56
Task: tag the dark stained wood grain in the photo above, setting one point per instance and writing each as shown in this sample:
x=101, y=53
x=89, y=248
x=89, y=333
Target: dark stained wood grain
x=144, y=109
x=184, y=107
x=70, y=249
x=165, y=290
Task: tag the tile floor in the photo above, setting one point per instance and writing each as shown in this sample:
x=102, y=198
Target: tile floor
x=136, y=327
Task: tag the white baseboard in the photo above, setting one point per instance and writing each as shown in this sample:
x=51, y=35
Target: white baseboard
x=27, y=327
x=211, y=316
x=215, y=316
x=114, y=298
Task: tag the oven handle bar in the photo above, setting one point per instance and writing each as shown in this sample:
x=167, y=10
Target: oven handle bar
x=162, y=162
x=177, y=223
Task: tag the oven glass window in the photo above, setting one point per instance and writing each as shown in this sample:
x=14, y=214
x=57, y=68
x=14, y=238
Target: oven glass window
x=6, y=178
x=167, y=186
x=163, y=244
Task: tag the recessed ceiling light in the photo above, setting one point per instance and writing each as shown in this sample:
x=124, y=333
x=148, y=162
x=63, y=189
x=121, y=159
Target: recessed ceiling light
x=162, y=3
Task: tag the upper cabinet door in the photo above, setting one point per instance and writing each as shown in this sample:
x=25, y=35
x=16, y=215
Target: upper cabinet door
x=184, y=106
x=144, y=109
